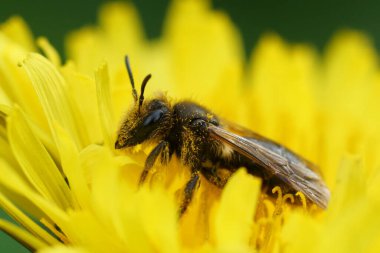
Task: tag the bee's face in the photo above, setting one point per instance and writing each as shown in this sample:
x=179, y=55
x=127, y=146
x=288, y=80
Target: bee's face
x=144, y=124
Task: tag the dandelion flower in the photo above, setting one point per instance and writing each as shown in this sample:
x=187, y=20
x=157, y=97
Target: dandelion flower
x=69, y=190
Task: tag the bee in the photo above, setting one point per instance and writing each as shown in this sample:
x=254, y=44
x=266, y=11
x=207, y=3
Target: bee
x=207, y=144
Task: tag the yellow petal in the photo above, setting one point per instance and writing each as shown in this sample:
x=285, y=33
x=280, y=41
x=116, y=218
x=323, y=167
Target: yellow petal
x=26, y=239
x=104, y=182
x=23, y=195
x=49, y=51
x=72, y=169
x=160, y=224
x=351, y=217
x=205, y=60
x=14, y=81
x=104, y=105
x=63, y=249
x=350, y=185
x=299, y=232
x=234, y=217
x=351, y=94
x=16, y=29
x=82, y=90
x=90, y=46
x=85, y=229
x=15, y=188
x=107, y=197
x=282, y=78
x=5, y=150
x=36, y=162
x=52, y=92
x=26, y=222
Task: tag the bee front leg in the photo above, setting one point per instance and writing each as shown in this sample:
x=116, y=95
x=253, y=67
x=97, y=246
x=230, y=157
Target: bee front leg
x=151, y=159
x=189, y=190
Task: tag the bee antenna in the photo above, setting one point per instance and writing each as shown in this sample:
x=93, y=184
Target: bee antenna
x=134, y=92
x=145, y=81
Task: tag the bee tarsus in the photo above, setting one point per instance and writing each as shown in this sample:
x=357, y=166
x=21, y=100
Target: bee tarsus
x=189, y=191
x=151, y=159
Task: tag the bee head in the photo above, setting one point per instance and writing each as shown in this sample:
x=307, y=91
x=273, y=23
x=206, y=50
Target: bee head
x=147, y=120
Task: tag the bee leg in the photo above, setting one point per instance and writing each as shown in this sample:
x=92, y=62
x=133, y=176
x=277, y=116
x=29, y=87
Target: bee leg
x=151, y=159
x=166, y=155
x=189, y=190
x=211, y=175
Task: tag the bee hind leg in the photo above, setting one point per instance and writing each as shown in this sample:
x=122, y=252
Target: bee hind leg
x=151, y=159
x=210, y=174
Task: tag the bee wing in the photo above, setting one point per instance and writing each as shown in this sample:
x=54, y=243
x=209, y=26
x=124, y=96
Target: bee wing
x=274, y=146
x=278, y=161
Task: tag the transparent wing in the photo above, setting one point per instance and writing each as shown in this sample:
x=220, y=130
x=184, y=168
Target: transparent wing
x=279, y=162
x=272, y=145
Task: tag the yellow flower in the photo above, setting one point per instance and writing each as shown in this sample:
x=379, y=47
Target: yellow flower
x=70, y=191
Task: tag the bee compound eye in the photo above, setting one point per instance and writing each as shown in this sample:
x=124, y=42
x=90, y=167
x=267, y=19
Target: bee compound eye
x=153, y=117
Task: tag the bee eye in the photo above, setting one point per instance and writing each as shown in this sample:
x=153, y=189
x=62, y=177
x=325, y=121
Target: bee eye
x=153, y=117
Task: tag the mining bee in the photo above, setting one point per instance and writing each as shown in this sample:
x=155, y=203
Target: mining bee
x=206, y=144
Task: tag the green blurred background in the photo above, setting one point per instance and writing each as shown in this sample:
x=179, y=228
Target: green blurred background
x=312, y=22
x=297, y=21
